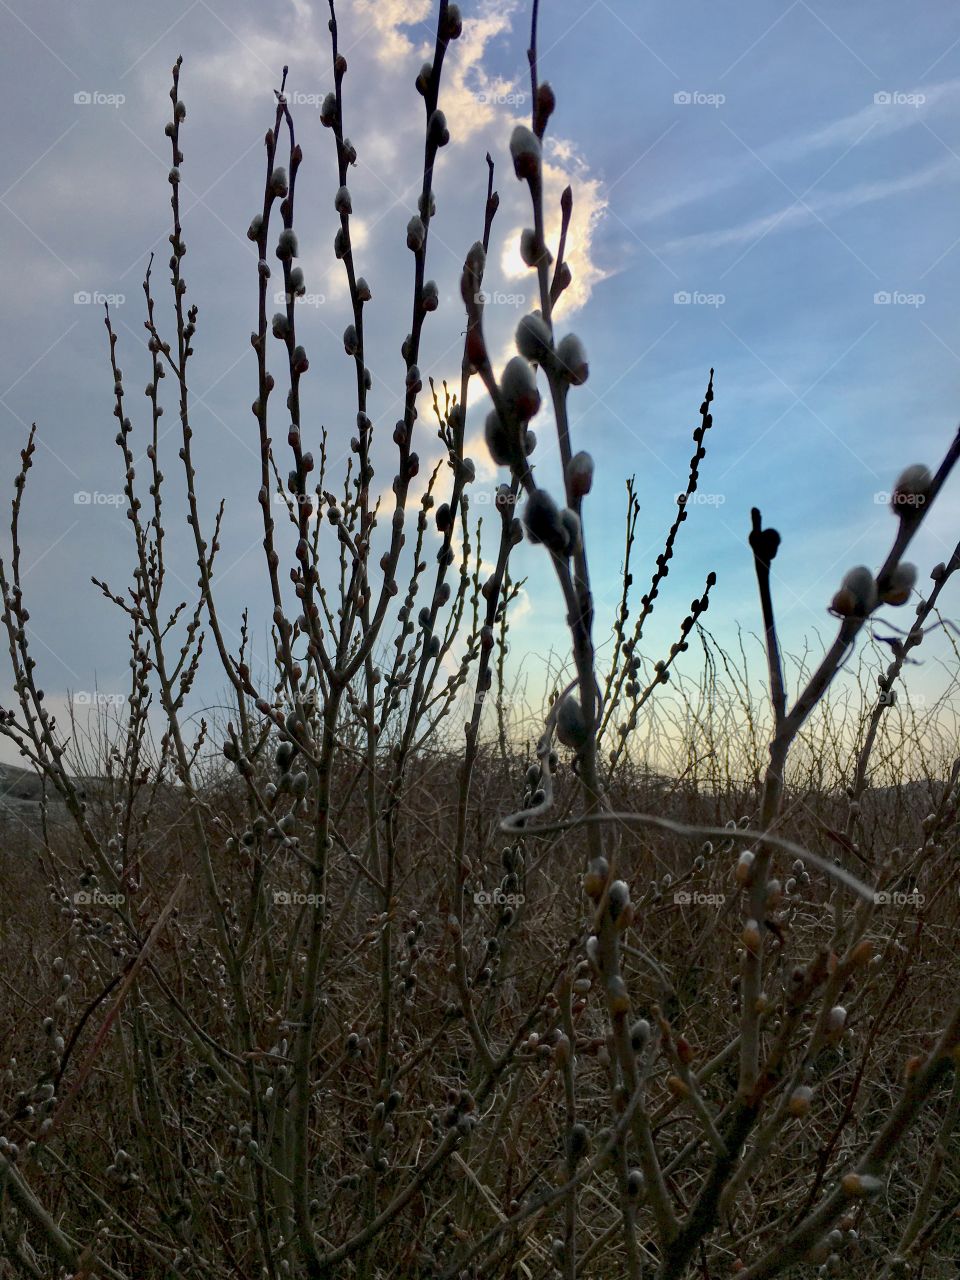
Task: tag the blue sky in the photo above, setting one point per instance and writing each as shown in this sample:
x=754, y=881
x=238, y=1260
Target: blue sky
x=767, y=189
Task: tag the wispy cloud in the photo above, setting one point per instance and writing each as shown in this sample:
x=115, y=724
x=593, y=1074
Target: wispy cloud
x=803, y=213
x=874, y=122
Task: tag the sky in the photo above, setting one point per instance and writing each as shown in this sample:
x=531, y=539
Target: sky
x=770, y=190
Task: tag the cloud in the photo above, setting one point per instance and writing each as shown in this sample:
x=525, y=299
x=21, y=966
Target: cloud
x=878, y=120
x=803, y=213
x=874, y=122
x=255, y=60
x=384, y=18
x=562, y=167
x=482, y=108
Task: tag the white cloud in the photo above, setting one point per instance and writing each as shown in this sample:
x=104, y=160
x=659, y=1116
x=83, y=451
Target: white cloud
x=872, y=123
x=800, y=214
x=384, y=18
x=563, y=166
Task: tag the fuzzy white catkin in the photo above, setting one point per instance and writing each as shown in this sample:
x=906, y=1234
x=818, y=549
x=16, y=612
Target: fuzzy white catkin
x=534, y=339
x=518, y=386
x=525, y=150
x=744, y=872
x=287, y=245
x=912, y=483
x=902, y=581
x=618, y=895
x=495, y=434
x=476, y=258
x=416, y=234
x=580, y=474
x=836, y=1018
x=858, y=592
x=437, y=129
x=571, y=726
x=570, y=522
x=529, y=247
x=572, y=359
